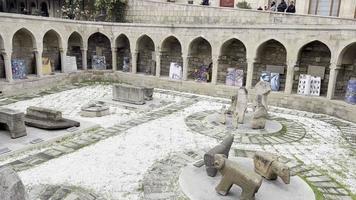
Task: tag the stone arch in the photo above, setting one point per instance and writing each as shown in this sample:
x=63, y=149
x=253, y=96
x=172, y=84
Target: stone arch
x=33, y=8
x=347, y=69
x=23, y=47
x=171, y=51
x=52, y=44
x=99, y=45
x=314, y=53
x=123, y=52
x=146, y=59
x=232, y=55
x=2, y=61
x=75, y=46
x=199, y=55
x=271, y=53
x=44, y=9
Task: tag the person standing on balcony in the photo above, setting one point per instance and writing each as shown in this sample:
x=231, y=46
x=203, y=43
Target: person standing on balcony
x=205, y=2
x=282, y=6
x=273, y=6
x=291, y=8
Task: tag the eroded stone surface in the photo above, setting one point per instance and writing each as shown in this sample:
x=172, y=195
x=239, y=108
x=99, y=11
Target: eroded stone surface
x=11, y=187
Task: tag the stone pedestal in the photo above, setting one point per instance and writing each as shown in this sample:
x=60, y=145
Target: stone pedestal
x=13, y=121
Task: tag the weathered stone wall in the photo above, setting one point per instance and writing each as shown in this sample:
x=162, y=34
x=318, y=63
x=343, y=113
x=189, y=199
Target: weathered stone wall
x=123, y=50
x=146, y=58
x=145, y=62
x=51, y=50
x=99, y=44
x=314, y=53
x=74, y=49
x=121, y=54
x=200, y=53
x=171, y=52
x=271, y=53
x=232, y=55
x=148, y=11
x=167, y=57
x=2, y=67
x=345, y=74
x=23, y=49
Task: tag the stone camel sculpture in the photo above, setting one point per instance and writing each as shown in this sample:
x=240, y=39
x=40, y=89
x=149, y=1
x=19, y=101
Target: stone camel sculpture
x=268, y=166
x=222, y=148
x=232, y=173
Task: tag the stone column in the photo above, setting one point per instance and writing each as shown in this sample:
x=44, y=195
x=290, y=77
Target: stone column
x=63, y=60
x=185, y=67
x=84, y=59
x=134, y=62
x=158, y=63
x=334, y=70
x=214, y=75
x=8, y=67
x=114, y=58
x=250, y=63
x=289, y=77
x=38, y=55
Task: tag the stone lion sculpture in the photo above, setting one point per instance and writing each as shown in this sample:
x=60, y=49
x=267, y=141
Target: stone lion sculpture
x=232, y=173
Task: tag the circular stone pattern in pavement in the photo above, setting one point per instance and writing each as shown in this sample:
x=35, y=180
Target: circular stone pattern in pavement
x=272, y=126
x=280, y=130
x=197, y=185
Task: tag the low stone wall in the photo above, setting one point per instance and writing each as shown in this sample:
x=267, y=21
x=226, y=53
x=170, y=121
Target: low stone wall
x=321, y=105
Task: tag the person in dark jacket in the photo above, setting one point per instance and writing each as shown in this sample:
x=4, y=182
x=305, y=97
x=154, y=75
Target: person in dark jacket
x=291, y=8
x=282, y=6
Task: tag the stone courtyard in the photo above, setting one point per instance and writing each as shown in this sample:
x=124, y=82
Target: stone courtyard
x=171, y=100
x=137, y=153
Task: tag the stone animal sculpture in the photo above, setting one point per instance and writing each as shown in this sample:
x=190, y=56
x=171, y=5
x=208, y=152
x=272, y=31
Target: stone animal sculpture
x=260, y=115
x=11, y=186
x=268, y=166
x=232, y=173
x=263, y=88
x=241, y=107
x=222, y=148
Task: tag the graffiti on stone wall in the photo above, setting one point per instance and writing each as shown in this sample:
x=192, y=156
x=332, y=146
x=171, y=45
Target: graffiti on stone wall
x=98, y=62
x=18, y=69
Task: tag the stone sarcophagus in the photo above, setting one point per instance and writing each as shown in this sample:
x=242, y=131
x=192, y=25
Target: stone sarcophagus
x=232, y=173
x=13, y=121
x=49, y=119
x=222, y=148
x=132, y=94
x=268, y=166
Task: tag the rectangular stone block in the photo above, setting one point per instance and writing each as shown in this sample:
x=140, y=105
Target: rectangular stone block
x=129, y=94
x=275, y=69
x=70, y=64
x=318, y=71
x=13, y=121
x=44, y=113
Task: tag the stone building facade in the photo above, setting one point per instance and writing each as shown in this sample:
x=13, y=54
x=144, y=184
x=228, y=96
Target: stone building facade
x=160, y=33
x=45, y=8
x=338, y=8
